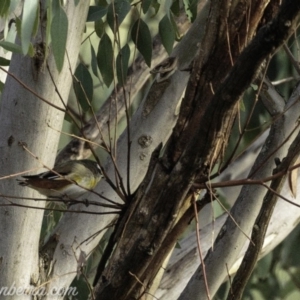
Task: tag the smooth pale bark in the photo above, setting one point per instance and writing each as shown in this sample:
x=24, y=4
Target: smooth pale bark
x=184, y=261
x=25, y=119
x=74, y=228
x=228, y=247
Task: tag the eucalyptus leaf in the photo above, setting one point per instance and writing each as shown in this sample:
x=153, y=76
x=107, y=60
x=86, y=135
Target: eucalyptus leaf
x=83, y=86
x=191, y=9
x=175, y=8
x=31, y=50
x=146, y=5
x=105, y=59
x=122, y=64
x=29, y=9
x=94, y=61
x=48, y=26
x=167, y=33
x=59, y=33
x=56, y=6
x=175, y=28
x=36, y=23
x=101, y=2
x=168, y=4
x=156, y=5
x=116, y=13
x=100, y=27
x=4, y=8
x=141, y=36
x=11, y=47
x=4, y=62
x=18, y=25
x=242, y=105
x=95, y=13
x=177, y=245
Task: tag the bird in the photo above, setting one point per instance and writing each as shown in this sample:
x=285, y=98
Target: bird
x=69, y=179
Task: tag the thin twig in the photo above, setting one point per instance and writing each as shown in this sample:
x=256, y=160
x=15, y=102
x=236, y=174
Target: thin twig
x=199, y=247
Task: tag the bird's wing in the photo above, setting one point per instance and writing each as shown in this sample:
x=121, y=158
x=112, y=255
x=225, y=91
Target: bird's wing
x=44, y=183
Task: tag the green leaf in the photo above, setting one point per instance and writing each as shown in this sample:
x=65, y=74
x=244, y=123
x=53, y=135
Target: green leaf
x=11, y=47
x=94, y=61
x=242, y=105
x=167, y=33
x=177, y=245
x=68, y=118
x=167, y=5
x=145, y=5
x=4, y=8
x=254, y=86
x=18, y=26
x=1, y=86
x=29, y=9
x=156, y=5
x=122, y=64
x=178, y=37
x=95, y=13
x=4, y=62
x=59, y=33
x=31, y=50
x=55, y=6
x=191, y=9
x=101, y=2
x=116, y=13
x=83, y=86
x=105, y=59
x=100, y=27
x=175, y=8
x=36, y=22
x=48, y=28
x=12, y=32
x=141, y=36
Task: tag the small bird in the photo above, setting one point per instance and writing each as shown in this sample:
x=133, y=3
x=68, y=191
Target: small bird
x=74, y=179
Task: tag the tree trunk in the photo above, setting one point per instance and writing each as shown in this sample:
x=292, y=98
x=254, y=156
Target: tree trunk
x=28, y=143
